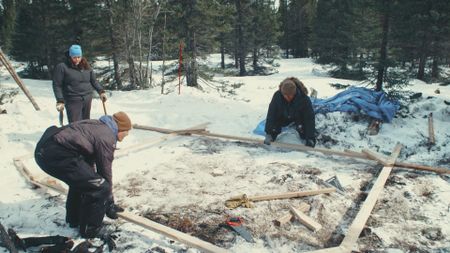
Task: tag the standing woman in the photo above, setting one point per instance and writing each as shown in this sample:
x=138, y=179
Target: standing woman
x=73, y=84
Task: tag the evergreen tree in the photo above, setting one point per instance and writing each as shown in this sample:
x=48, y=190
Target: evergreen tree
x=7, y=23
x=300, y=13
x=263, y=32
x=284, y=26
x=195, y=22
x=87, y=22
x=41, y=35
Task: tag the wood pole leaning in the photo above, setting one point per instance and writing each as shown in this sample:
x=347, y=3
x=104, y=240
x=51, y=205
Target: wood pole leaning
x=16, y=78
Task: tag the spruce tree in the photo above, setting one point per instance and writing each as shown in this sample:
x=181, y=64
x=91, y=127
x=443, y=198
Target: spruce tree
x=7, y=23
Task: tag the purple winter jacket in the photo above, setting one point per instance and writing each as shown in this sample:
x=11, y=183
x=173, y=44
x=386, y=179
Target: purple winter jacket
x=92, y=139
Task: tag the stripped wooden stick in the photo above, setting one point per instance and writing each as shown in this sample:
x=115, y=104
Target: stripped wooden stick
x=431, y=138
x=16, y=78
x=286, y=195
x=303, y=207
x=346, y=153
x=305, y=219
x=135, y=219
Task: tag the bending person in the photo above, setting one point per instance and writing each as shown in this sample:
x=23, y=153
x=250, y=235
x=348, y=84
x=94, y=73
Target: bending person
x=73, y=84
x=291, y=104
x=69, y=154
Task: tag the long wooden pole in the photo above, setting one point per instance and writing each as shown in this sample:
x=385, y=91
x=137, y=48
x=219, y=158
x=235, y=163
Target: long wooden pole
x=16, y=78
x=286, y=195
x=138, y=220
x=360, y=220
x=347, y=153
x=431, y=138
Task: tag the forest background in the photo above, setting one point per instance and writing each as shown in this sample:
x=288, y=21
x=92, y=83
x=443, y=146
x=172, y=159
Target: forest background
x=382, y=42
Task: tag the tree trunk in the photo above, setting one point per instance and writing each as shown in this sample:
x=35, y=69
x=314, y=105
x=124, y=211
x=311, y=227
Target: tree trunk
x=435, y=69
x=163, y=70
x=255, y=58
x=112, y=38
x=422, y=61
x=382, y=64
x=240, y=37
x=150, y=45
x=191, y=66
x=222, y=55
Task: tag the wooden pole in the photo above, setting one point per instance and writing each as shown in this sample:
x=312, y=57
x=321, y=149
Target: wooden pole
x=303, y=207
x=431, y=138
x=305, y=219
x=286, y=195
x=16, y=78
x=146, y=143
x=361, y=218
x=138, y=220
x=383, y=160
x=346, y=153
x=258, y=141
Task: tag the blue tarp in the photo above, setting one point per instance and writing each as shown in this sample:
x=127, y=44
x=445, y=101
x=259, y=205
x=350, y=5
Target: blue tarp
x=356, y=100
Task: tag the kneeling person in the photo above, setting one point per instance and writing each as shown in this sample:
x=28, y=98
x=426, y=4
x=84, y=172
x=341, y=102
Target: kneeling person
x=291, y=104
x=69, y=154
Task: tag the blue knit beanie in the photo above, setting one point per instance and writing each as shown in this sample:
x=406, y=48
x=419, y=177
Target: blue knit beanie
x=75, y=50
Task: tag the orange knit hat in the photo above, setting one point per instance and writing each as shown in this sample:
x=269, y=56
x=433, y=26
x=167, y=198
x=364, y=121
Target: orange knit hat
x=122, y=120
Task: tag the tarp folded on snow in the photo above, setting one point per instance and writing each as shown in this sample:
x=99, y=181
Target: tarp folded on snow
x=356, y=100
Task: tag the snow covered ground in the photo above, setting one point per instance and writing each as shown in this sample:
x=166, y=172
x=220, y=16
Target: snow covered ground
x=184, y=181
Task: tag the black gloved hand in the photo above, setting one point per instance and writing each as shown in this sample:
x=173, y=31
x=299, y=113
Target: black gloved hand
x=268, y=139
x=112, y=209
x=310, y=143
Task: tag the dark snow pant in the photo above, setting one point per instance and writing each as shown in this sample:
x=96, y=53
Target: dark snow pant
x=78, y=108
x=88, y=191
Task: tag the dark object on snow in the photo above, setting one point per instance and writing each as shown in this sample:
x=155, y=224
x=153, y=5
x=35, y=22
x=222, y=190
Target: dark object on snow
x=112, y=209
x=416, y=95
x=446, y=102
x=374, y=127
x=235, y=224
x=6, y=240
x=54, y=244
x=334, y=181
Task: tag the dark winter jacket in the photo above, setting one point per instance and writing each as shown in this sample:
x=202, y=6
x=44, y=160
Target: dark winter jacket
x=73, y=81
x=282, y=113
x=94, y=140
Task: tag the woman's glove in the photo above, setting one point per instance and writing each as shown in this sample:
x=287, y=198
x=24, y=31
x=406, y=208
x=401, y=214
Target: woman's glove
x=103, y=96
x=59, y=106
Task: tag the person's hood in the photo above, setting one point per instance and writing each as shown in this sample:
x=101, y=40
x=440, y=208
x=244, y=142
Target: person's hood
x=111, y=123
